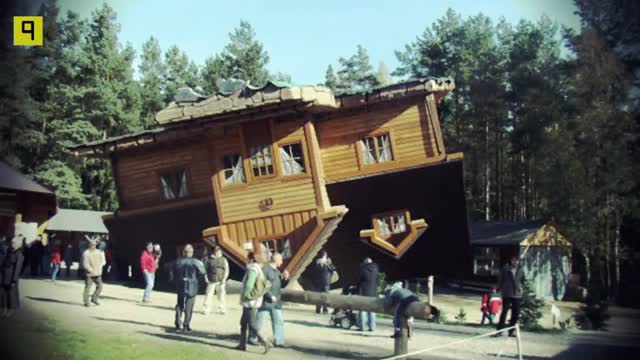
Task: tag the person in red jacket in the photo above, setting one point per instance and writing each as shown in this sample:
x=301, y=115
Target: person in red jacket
x=491, y=304
x=56, y=259
x=148, y=266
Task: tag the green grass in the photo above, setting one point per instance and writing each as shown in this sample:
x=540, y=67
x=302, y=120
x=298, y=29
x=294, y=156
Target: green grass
x=42, y=339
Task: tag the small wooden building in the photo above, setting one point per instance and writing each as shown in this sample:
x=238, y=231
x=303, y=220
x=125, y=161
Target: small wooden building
x=545, y=254
x=296, y=169
x=69, y=226
x=22, y=199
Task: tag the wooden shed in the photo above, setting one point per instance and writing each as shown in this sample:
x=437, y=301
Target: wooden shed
x=545, y=254
x=22, y=199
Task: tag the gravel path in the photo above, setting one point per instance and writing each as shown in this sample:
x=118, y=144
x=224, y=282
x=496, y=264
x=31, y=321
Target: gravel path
x=307, y=335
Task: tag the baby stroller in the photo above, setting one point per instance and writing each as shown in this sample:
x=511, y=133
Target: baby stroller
x=344, y=318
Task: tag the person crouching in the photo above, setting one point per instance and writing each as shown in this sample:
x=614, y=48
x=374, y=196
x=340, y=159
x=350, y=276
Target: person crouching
x=396, y=295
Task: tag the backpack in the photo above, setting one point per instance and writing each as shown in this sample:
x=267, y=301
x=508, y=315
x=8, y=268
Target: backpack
x=260, y=288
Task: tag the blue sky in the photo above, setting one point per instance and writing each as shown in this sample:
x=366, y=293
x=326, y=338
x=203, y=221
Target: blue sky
x=303, y=37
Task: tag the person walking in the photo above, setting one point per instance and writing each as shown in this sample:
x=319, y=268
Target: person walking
x=157, y=254
x=56, y=259
x=272, y=300
x=67, y=256
x=187, y=269
x=35, y=254
x=92, y=263
x=10, y=268
x=323, y=271
x=45, y=258
x=491, y=304
x=368, y=286
x=254, y=287
x=148, y=265
x=510, y=286
x=217, y=274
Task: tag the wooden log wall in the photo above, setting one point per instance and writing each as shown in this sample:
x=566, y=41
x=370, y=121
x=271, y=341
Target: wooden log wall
x=413, y=131
x=289, y=194
x=139, y=173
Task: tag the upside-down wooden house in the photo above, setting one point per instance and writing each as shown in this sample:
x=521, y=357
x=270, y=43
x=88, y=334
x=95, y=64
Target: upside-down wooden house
x=296, y=169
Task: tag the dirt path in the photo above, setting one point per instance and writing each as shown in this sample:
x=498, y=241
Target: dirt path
x=307, y=335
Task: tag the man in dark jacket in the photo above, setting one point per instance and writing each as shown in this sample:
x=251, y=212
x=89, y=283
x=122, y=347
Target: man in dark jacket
x=323, y=270
x=67, y=256
x=272, y=303
x=187, y=270
x=368, y=286
x=10, y=267
x=510, y=286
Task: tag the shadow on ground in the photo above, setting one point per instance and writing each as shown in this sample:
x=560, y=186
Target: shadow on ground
x=54, y=301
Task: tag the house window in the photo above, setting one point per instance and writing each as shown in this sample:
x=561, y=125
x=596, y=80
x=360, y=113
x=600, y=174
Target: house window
x=486, y=261
x=376, y=149
x=268, y=247
x=389, y=225
x=261, y=161
x=292, y=159
x=233, y=169
x=174, y=185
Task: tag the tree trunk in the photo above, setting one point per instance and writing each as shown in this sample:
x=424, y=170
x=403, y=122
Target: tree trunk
x=616, y=257
x=523, y=187
x=418, y=310
x=487, y=175
x=587, y=268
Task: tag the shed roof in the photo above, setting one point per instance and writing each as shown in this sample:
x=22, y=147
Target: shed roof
x=497, y=233
x=78, y=221
x=13, y=179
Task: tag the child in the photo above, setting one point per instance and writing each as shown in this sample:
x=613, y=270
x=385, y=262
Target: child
x=491, y=304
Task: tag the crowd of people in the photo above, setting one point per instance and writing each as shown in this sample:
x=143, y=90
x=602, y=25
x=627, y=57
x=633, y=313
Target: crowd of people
x=261, y=294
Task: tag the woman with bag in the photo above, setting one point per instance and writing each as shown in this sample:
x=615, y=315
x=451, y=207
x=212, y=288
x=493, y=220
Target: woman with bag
x=254, y=286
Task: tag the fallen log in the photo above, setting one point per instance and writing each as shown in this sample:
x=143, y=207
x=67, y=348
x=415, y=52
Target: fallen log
x=419, y=310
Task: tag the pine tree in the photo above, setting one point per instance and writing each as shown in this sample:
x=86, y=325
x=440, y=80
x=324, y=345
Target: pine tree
x=243, y=58
x=383, y=76
x=530, y=308
x=152, y=81
x=181, y=72
x=356, y=73
x=330, y=79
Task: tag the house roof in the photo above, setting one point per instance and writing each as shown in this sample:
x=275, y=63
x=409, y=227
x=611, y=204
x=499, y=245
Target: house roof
x=78, y=221
x=503, y=233
x=13, y=179
x=234, y=103
x=240, y=96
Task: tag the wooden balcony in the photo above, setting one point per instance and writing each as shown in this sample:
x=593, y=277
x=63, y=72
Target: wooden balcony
x=304, y=242
x=395, y=245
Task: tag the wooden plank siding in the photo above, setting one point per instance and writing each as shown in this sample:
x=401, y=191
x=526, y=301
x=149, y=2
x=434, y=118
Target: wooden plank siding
x=284, y=224
x=413, y=139
x=290, y=194
x=138, y=173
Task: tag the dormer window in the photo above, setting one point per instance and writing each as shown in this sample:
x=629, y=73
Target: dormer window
x=392, y=224
x=387, y=225
x=174, y=184
x=261, y=161
x=376, y=149
x=233, y=169
x=292, y=159
x=270, y=246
